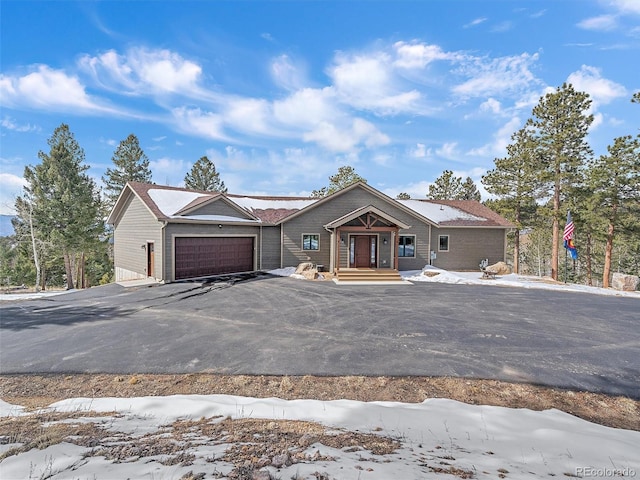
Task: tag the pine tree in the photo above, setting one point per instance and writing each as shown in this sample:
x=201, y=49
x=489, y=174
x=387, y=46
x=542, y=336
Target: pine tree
x=515, y=182
x=346, y=176
x=64, y=201
x=561, y=124
x=446, y=187
x=470, y=190
x=614, y=180
x=131, y=164
x=203, y=176
x=403, y=196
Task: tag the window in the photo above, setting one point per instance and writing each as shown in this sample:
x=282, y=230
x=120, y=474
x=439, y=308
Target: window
x=443, y=244
x=407, y=246
x=311, y=241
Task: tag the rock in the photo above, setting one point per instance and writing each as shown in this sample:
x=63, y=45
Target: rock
x=430, y=273
x=307, y=439
x=280, y=461
x=261, y=475
x=626, y=283
x=303, y=267
x=310, y=274
x=499, y=268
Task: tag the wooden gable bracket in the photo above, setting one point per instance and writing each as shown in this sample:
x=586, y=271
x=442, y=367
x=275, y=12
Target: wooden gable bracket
x=371, y=221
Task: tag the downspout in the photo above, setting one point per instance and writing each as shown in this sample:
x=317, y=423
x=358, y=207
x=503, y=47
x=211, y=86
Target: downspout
x=281, y=244
x=429, y=245
x=260, y=256
x=163, y=256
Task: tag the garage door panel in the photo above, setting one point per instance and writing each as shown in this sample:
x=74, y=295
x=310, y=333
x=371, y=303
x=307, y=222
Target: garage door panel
x=203, y=256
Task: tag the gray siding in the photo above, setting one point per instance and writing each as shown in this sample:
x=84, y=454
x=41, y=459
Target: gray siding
x=270, y=248
x=314, y=219
x=135, y=228
x=468, y=246
x=220, y=207
x=192, y=230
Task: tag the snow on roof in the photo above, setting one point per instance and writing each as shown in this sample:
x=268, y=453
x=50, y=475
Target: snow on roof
x=172, y=201
x=251, y=203
x=439, y=213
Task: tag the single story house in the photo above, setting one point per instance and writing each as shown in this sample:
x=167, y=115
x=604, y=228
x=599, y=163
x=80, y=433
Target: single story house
x=173, y=233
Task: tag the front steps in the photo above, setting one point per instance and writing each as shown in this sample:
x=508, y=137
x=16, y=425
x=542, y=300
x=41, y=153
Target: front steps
x=368, y=275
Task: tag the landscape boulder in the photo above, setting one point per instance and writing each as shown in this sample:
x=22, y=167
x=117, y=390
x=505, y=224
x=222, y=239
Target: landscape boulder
x=303, y=267
x=499, y=268
x=626, y=283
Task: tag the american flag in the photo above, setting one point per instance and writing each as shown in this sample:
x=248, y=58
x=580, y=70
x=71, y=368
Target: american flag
x=568, y=228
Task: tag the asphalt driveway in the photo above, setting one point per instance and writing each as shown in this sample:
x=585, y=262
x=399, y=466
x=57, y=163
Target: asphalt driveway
x=281, y=326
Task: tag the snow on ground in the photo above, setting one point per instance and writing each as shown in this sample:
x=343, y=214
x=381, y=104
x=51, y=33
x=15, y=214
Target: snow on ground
x=7, y=297
x=435, y=437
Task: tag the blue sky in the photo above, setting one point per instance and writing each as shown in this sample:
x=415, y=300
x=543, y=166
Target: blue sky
x=281, y=94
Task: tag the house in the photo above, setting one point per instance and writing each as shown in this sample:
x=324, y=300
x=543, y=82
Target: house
x=173, y=233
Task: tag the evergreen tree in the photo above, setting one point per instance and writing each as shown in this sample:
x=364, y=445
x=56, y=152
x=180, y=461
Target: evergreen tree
x=561, y=124
x=636, y=97
x=131, y=164
x=470, y=190
x=446, y=187
x=64, y=201
x=346, y=176
x=614, y=180
x=403, y=196
x=203, y=176
x=515, y=182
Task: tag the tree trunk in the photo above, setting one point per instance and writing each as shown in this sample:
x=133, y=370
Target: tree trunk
x=68, y=270
x=607, y=256
x=588, y=255
x=555, y=247
x=516, y=252
x=36, y=259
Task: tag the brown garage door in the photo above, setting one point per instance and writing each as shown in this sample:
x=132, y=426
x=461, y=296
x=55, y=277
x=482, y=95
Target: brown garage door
x=203, y=256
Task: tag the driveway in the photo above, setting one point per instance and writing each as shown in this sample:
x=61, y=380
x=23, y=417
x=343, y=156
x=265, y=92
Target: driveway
x=281, y=326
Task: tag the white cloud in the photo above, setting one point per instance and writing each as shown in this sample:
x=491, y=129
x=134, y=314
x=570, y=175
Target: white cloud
x=501, y=139
x=449, y=150
x=367, y=82
x=625, y=6
x=10, y=124
x=203, y=124
x=249, y=115
x=420, y=151
x=502, y=27
x=475, y=22
x=491, y=105
x=499, y=76
x=11, y=188
x=307, y=107
x=46, y=88
x=419, y=55
x=287, y=74
x=141, y=70
x=600, y=23
x=602, y=91
x=342, y=139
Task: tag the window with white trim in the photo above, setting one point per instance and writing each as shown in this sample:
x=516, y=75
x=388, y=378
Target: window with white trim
x=406, y=246
x=443, y=243
x=310, y=241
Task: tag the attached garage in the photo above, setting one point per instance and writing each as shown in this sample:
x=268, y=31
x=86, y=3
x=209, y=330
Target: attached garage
x=203, y=256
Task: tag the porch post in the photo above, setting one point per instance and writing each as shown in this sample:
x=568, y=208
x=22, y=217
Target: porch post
x=337, y=250
x=396, y=244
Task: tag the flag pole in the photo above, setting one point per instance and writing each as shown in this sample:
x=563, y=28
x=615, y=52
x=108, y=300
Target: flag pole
x=566, y=259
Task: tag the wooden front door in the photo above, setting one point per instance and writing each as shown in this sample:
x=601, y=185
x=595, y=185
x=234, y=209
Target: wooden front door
x=364, y=251
x=150, y=259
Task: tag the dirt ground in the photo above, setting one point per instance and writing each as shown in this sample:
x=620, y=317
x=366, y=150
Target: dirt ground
x=35, y=391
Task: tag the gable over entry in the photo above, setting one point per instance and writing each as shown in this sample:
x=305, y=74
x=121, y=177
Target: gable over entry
x=365, y=238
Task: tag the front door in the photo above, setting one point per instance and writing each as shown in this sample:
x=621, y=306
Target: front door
x=363, y=251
